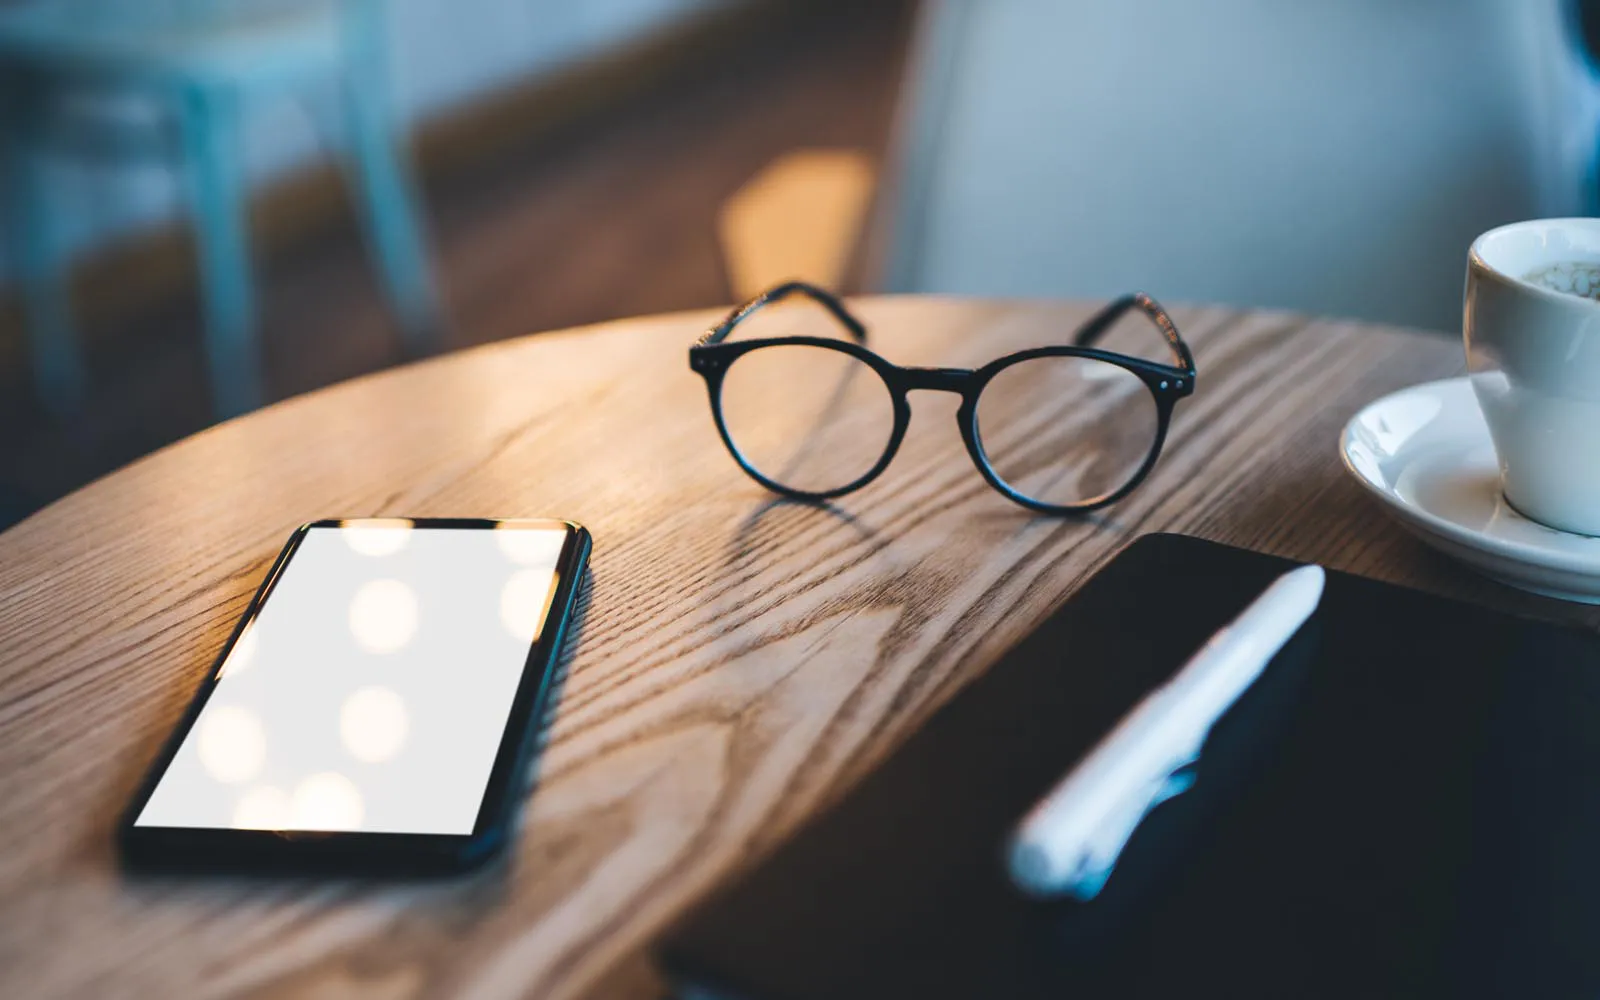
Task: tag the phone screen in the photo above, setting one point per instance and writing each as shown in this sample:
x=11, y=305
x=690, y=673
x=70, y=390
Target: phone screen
x=372, y=688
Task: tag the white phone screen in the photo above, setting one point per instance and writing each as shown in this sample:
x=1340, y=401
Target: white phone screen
x=372, y=689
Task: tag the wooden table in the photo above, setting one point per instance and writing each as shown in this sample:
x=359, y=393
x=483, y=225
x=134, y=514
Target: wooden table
x=740, y=661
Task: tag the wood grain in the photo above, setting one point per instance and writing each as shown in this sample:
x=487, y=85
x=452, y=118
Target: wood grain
x=739, y=661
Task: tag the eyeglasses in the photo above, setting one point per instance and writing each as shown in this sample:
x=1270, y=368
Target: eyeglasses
x=1056, y=429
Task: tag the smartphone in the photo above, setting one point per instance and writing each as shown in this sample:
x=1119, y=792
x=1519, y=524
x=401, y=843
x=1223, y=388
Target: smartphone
x=376, y=708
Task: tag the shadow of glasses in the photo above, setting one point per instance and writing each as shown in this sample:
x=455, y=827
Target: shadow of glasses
x=746, y=540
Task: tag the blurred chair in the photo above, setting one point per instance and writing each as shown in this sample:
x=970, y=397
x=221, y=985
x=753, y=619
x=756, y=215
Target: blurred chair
x=1326, y=156
x=69, y=70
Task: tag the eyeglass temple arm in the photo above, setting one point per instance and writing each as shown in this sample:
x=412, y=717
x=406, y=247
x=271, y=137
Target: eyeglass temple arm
x=1101, y=322
x=827, y=300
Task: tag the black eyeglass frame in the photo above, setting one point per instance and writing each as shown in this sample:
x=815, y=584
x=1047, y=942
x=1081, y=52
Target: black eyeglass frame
x=711, y=356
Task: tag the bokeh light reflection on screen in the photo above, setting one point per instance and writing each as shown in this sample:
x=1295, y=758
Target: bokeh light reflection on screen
x=530, y=546
x=378, y=536
x=373, y=724
x=232, y=744
x=327, y=801
x=383, y=615
x=522, y=602
x=263, y=807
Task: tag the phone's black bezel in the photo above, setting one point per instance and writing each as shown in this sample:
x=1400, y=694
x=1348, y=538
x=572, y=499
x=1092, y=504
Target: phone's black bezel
x=185, y=849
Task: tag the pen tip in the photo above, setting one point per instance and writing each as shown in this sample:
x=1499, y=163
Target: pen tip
x=1307, y=580
x=1031, y=869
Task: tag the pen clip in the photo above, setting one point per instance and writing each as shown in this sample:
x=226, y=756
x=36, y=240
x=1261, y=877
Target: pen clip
x=1104, y=847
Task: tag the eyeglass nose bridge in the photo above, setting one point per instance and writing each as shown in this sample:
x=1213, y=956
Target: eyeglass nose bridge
x=935, y=379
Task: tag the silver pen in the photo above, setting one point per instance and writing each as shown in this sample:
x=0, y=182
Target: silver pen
x=1068, y=844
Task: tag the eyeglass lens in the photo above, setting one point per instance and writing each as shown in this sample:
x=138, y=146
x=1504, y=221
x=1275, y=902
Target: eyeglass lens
x=1066, y=431
x=807, y=418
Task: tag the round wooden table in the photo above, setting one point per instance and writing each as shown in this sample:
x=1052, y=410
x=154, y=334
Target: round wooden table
x=739, y=661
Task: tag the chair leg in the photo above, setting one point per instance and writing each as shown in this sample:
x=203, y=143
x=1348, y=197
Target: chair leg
x=211, y=150
x=389, y=213
x=41, y=273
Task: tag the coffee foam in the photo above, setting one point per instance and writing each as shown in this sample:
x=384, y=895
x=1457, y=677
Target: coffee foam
x=1580, y=278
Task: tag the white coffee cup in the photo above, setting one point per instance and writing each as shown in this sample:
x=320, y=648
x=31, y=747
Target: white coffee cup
x=1534, y=355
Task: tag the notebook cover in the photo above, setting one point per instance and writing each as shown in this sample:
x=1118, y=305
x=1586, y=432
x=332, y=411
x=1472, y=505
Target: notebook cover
x=1407, y=803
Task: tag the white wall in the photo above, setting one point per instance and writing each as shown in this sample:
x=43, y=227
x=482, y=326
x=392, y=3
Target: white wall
x=447, y=51
x=1329, y=156
x=441, y=52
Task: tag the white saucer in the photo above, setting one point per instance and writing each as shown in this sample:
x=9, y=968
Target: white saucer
x=1425, y=451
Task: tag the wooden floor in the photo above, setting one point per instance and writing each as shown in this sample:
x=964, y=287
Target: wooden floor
x=610, y=217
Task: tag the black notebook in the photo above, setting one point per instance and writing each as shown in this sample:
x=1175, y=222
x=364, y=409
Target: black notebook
x=1407, y=803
